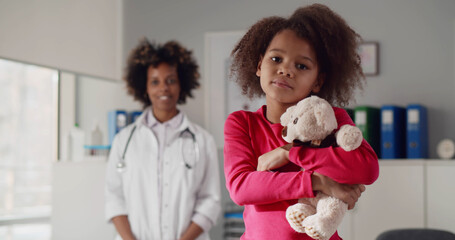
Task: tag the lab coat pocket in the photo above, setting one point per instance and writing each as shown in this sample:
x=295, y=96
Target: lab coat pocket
x=183, y=164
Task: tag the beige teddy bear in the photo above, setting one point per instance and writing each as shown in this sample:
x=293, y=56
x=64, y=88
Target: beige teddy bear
x=312, y=121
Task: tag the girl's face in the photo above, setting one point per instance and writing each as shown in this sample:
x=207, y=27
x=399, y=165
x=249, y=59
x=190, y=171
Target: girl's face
x=289, y=70
x=163, y=88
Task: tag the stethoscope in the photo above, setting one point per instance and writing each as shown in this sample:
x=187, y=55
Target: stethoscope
x=185, y=134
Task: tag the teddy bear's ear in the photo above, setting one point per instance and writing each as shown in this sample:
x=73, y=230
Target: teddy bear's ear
x=325, y=116
x=286, y=117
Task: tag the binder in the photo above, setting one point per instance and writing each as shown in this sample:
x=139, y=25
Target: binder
x=117, y=119
x=393, y=132
x=350, y=112
x=132, y=116
x=417, y=131
x=367, y=119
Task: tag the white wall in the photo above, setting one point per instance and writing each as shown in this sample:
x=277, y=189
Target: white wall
x=84, y=37
x=80, y=36
x=92, y=109
x=416, y=38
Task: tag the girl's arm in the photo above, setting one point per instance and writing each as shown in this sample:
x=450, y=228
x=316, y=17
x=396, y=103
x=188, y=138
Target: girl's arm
x=274, y=159
x=359, y=166
x=347, y=193
x=245, y=184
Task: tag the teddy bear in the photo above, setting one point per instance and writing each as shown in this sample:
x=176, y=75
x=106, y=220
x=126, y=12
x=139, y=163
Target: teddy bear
x=312, y=122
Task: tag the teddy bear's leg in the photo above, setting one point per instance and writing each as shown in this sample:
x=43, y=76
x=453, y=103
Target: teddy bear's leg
x=296, y=213
x=329, y=214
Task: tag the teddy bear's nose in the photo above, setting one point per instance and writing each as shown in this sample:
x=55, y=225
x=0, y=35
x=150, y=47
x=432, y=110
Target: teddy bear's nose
x=284, y=132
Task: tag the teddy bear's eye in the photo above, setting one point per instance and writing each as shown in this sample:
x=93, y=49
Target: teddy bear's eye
x=296, y=120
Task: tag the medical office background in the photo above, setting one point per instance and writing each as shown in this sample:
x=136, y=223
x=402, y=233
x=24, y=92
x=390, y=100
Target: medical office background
x=83, y=45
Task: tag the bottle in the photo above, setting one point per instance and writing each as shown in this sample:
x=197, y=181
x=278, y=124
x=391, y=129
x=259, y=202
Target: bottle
x=76, y=139
x=96, y=138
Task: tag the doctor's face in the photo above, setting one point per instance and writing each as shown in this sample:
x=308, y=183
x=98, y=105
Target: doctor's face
x=163, y=88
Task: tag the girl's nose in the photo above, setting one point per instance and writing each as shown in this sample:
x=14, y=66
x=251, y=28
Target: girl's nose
x=284, y=70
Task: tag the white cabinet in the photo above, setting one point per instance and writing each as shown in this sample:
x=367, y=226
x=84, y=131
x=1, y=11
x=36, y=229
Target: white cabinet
x=441, y=195
x=78, y=201
x=407, y=194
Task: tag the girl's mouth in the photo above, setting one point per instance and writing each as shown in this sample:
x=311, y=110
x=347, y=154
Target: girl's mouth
x=281, y=83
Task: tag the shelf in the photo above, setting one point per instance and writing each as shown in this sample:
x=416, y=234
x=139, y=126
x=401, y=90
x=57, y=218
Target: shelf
x=416, y=162
x=97, y=147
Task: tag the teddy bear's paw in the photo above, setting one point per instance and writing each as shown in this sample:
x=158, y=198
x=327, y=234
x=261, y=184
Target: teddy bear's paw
x=349, y=137
x=315, y=228
x=297, y=227
x=295, y=221
x=295, y=215
x=312, y=232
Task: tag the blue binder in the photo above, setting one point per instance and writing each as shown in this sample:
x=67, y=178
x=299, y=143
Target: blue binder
x=133, y=116
x=117, y=119
x=393, y=132
x=417, y=131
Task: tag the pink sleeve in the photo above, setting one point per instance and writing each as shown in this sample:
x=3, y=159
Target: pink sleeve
x=244, y=183
x=359, y=166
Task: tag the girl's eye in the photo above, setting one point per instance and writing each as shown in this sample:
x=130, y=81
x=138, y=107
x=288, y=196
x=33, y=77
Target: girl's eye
x=276, y=59
x=301, y=66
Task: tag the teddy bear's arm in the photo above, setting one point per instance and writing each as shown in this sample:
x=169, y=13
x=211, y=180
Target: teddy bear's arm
x=359, y=166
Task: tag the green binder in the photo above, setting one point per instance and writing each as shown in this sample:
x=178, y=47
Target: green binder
x=367, y=118
x=350, y=112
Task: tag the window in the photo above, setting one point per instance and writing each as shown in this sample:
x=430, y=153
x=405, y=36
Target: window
x=28, y=146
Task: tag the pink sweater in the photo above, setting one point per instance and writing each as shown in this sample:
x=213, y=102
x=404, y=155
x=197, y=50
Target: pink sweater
x=266, y=195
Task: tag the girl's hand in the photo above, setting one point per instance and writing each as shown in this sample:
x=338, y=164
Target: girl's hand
x=349, y=194
x=274, y=159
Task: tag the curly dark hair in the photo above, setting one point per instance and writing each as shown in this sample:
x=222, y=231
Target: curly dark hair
x=333, y=41
x=146, y=54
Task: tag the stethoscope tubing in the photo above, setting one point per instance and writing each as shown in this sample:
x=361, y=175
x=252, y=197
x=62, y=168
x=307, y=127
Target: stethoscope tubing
x=196, y=146
x=121, y=164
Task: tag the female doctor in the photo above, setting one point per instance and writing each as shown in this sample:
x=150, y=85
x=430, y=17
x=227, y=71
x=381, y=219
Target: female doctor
x=162, y=179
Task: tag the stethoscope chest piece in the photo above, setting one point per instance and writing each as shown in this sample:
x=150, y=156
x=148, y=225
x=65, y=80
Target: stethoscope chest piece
x=121, y=167
x=121, y=164
x=186, y=152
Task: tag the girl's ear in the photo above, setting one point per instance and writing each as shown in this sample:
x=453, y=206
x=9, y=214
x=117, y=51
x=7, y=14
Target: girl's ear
x=258, y=70
x=319, y=82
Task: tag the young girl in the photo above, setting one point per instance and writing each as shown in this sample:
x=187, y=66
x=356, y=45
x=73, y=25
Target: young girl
x=288, y=59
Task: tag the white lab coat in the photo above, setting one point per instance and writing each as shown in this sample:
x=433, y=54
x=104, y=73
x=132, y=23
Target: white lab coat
x=184, y=191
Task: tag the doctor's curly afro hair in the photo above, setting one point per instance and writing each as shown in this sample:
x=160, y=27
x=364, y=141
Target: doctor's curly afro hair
x=333, y=41
x=146, y=55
